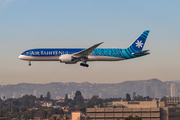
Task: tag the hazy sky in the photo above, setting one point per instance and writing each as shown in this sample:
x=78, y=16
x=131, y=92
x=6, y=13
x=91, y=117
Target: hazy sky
x=26, y=24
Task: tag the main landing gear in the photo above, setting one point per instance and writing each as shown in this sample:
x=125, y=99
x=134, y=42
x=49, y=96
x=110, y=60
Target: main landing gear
x=84, y=65
x=84, y=60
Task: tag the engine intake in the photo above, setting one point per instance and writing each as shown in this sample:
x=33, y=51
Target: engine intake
x=66, y=58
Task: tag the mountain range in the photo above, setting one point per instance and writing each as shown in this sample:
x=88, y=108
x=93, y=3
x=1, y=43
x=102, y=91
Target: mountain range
x=151, y=87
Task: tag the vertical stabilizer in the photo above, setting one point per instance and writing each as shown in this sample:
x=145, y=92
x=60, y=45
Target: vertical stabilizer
x=138, y=44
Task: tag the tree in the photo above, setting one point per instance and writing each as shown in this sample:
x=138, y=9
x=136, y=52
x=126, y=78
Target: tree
x=55, y=117
x=133, y=118
x=128, y=97
x=77, y=94
x=163, y=98
x=137, y=118
x=48, y=95
x=28, y=101
x=22, y=108
x=147, y=98
x=88, y=118
x=139, y=98
x=129, y=118
x=15, y=108
x=41, y=98
x=134, y=96
x=66, y=117
x=81, y=118
x=57, y=111
x=18, y=118
x=66, y=97
x=80, y=99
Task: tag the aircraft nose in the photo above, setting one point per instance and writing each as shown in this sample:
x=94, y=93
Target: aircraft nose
x=20, y=57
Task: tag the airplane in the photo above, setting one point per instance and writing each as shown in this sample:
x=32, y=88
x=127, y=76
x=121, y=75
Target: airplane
x=74, y=55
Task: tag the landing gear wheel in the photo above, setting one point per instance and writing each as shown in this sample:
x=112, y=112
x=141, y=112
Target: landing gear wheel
x=84, y=65
x=29, y=63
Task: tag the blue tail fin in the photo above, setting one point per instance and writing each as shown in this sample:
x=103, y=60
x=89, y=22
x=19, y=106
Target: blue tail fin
x=138, y=44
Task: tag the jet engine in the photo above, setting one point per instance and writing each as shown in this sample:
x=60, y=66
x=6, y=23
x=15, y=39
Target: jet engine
x=66, y=58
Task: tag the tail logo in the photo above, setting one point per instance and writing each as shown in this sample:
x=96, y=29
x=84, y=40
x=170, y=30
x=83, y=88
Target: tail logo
x=139, y=44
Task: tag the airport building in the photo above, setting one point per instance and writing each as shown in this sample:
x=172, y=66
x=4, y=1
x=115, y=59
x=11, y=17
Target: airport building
x=147, y=110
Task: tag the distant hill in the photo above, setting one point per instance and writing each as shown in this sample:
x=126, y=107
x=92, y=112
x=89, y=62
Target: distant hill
x=151, y=87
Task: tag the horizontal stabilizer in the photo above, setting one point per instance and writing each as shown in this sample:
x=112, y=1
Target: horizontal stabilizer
x=140, y=52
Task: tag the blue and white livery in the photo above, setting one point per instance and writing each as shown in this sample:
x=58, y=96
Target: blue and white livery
x=74, y=55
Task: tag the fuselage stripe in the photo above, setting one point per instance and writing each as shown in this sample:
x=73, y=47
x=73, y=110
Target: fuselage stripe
x=123, y=54
x=129, y=53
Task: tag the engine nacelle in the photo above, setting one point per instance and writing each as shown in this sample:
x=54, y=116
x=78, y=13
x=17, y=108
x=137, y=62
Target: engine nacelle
x=66, y=58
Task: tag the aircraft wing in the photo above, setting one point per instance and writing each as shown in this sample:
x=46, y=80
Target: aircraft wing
x=86, y=52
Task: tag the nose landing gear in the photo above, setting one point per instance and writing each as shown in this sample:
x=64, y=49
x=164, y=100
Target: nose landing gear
x=29, y=63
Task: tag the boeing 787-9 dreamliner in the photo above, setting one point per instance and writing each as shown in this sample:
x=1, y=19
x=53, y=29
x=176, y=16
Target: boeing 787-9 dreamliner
x=74, y=55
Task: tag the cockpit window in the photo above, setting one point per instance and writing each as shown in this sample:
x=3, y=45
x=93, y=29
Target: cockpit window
x=23, y=53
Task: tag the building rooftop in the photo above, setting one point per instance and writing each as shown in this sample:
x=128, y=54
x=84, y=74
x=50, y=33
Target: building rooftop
x=138, y=104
